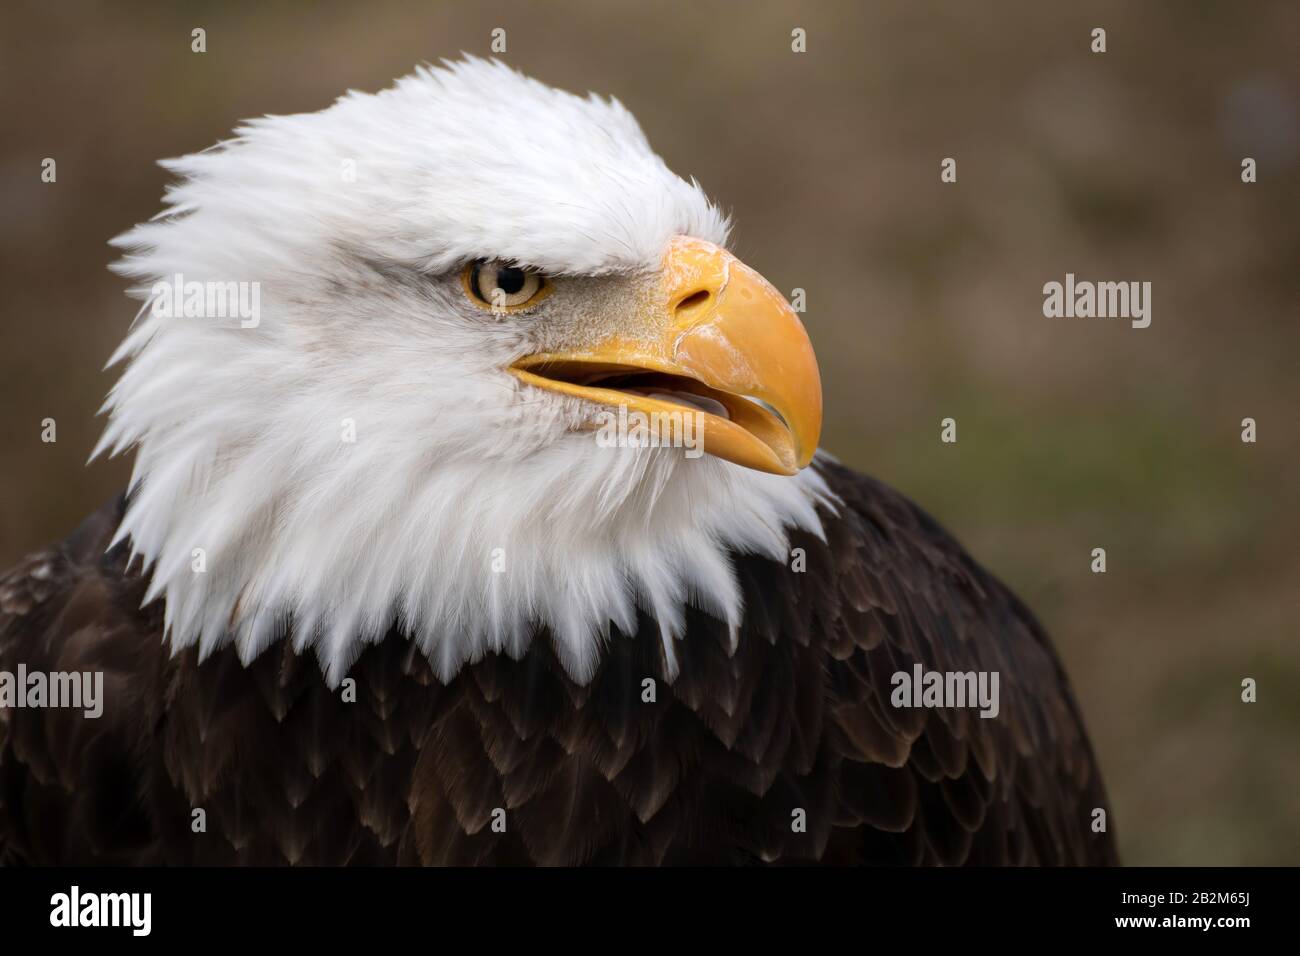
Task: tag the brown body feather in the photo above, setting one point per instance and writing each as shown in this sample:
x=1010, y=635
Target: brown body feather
x=796, y=718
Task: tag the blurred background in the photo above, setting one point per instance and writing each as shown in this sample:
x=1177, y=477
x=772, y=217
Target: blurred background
x=924, y=299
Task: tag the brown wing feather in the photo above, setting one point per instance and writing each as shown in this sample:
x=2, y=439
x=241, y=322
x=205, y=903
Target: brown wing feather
x=712, y=771
x=73, y=788
x=1018, y=788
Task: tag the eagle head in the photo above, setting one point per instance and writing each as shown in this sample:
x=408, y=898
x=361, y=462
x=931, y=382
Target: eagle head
x=456, y=322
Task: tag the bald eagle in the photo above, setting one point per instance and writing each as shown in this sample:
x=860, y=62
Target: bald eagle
x=379, y=593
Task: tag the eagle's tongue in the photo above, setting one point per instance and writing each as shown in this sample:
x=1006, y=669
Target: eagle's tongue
x=701, y=402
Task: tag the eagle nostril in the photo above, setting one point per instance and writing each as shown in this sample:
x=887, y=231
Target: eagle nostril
x=692, y=304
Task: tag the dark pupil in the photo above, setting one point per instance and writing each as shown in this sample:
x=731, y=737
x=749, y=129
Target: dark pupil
x=510, y=281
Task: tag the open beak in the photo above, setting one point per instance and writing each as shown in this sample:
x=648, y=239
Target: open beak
x=719, y=343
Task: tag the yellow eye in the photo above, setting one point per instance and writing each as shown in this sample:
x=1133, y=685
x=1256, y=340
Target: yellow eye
x=501, y=287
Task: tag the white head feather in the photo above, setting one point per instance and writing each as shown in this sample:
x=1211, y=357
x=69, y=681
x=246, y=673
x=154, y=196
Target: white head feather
x=354, y=222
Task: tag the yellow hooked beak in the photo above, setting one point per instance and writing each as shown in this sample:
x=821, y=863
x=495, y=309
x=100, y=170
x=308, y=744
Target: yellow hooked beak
x=718, y=342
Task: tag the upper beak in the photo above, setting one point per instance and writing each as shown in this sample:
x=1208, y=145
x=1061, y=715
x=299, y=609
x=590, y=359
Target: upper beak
x=718, y=330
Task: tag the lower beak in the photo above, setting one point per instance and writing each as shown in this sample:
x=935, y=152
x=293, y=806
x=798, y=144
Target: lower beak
x=719, y=344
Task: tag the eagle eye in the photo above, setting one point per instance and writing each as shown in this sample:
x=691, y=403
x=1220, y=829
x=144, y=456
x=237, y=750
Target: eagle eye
x=502, y=287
